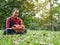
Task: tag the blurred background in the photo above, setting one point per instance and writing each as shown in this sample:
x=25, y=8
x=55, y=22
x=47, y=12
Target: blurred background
x=36, y=14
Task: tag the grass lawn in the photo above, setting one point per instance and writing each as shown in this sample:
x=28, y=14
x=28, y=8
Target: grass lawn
x=37, y=37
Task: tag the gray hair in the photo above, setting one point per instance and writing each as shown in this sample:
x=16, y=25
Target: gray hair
x=15, y=9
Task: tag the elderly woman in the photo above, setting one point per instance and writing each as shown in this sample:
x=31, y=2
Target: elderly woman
x=13, y=20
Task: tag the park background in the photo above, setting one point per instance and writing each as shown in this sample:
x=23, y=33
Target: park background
x=36, y=14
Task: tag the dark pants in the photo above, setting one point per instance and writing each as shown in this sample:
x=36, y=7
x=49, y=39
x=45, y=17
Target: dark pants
x=10, y=31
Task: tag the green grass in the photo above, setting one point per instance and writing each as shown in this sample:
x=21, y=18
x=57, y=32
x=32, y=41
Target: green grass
x=32, y=37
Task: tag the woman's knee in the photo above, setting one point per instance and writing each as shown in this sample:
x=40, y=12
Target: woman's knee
x=5, y=32
x=8, y=31
x=25, y=31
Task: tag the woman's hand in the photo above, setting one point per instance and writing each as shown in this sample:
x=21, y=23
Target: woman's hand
x=14, y=28
x=22, y=27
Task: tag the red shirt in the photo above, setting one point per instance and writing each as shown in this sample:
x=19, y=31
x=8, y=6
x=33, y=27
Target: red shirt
x=15, y=21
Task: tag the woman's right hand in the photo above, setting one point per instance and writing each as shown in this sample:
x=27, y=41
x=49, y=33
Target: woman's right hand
x=14, y=28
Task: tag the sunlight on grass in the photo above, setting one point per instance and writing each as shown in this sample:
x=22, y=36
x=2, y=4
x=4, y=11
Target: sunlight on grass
x=32, y=37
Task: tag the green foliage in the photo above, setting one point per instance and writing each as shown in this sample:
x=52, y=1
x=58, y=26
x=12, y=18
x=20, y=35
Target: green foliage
x=32, y=37
x=28, y=10
x=6, y=10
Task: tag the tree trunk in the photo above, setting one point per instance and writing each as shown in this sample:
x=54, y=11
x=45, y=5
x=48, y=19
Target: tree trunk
x=51, y=15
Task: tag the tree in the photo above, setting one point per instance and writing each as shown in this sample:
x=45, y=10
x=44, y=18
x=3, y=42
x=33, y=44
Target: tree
x=51, y=14
x=24, y=6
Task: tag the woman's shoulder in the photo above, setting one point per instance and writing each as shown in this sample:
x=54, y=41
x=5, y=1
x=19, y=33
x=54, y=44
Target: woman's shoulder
x=8, y=18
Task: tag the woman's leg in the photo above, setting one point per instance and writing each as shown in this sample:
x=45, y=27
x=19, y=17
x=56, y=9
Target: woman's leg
x=9, y=31
x=25, y=30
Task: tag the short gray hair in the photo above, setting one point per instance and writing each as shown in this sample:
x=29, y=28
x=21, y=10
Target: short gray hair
x=15, y=9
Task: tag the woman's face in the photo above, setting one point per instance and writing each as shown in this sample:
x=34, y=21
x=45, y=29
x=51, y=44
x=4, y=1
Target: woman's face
x=15, y=14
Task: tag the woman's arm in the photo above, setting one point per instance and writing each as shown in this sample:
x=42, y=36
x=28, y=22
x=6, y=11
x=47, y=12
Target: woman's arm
x=7, y=23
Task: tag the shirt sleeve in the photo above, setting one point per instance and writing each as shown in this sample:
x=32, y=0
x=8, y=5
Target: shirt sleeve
x=7, y=23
